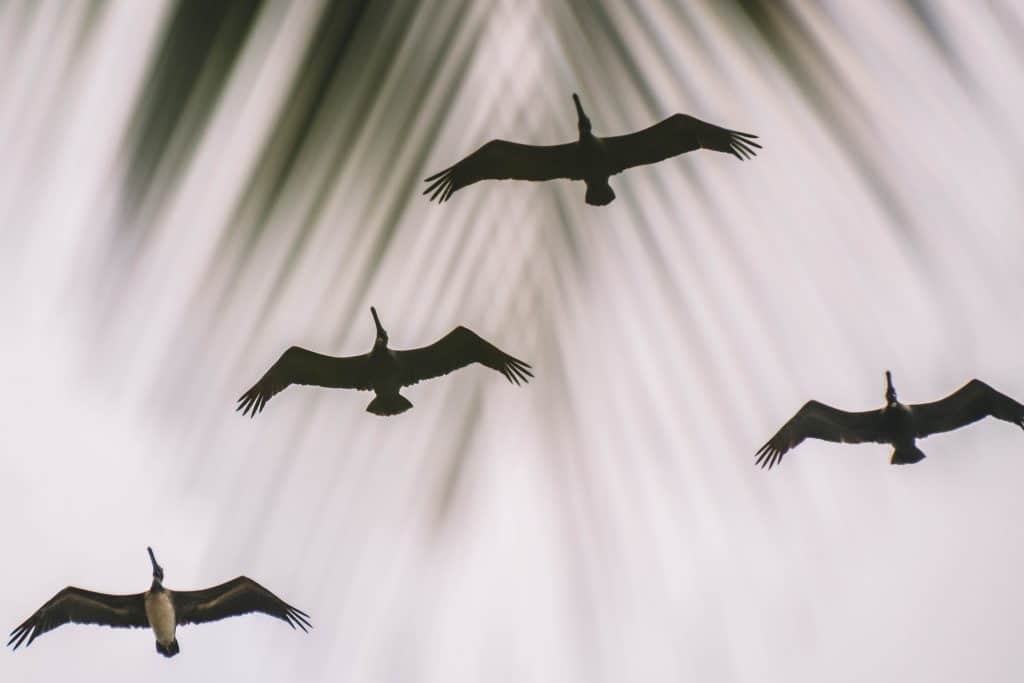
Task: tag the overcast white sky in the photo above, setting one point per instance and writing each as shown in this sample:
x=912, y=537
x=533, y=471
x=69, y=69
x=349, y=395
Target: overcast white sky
x=606, y=522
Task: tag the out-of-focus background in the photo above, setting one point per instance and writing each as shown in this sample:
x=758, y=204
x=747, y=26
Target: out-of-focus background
x=187, y=188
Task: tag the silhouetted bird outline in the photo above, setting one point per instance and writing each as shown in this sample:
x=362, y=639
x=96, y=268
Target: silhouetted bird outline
x=382, y=370
x=161, y=609
x=590, y=159
x=897, y=424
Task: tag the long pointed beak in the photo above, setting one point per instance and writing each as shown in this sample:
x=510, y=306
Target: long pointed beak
x=579, y=107
x=888, y=379
x=152, y=558
x=376, y=321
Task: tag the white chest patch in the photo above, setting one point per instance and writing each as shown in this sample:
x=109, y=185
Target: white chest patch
x=160, y=612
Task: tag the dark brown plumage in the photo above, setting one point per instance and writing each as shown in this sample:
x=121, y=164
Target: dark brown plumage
x=159, y=608
x=591, y=159
x=897, y=424
x=233, y=598
x=79, y=606
x=383, y=370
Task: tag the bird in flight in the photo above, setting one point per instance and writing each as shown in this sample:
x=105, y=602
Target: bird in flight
x=896, y=423
x=384, y=371
x=590, y=159
x=161, y=609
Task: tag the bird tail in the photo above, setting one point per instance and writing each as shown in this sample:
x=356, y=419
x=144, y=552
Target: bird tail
x=389, y=404
x=906, y=455
x=599, y=193
x=168, y=650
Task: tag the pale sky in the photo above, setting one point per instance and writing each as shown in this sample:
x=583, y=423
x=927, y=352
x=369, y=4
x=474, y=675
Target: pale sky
x=605, y=522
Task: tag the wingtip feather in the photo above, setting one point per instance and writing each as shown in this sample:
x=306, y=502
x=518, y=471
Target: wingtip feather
x=767, y=456
x=437, y=175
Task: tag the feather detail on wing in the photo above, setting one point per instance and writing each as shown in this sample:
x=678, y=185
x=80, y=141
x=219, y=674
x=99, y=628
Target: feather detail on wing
x=816, y=420
x=968, y=404
x=676, y=135
x=503, y=160
x=301, y=366
x=78, y=606
x=233, y=598
x=457, y=349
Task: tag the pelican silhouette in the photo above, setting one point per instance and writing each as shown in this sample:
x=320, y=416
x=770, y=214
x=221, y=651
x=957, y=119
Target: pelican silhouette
x=382, y=370
x=590, y=159
x=161, y=609
x=897, y=424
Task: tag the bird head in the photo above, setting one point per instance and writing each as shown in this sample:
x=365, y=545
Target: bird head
x=583, y=123
x=158, y=571
x=382, y=336
x=890, y=390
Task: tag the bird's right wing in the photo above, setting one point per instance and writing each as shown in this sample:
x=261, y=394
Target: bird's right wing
x=675, y=135
x=79, y=606
x=457, y=349
x=816, y=420
x=233, y=598
x=503, y=160
x=967, y=404
x=301, y=366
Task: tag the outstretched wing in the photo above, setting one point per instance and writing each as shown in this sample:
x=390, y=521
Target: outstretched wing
x=676, y=135
x=233, y=598
x=967, y=404
x=819, y=421
x=301, y=366
x=77, y=606
x=502, y=160
x=455, y=350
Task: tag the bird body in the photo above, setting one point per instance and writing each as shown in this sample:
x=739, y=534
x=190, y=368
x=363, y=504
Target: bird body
x=591, y=159
x=383, y=370
x=896, y=423
x=160, y=614
x=387, y=382
x=594, y=157
x=158, y=608
x=386, y=370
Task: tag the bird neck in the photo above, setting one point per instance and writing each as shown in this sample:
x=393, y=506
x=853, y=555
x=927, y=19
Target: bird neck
x=156, y=586
x=890, y=390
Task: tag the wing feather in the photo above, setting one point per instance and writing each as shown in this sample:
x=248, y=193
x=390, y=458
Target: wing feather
x=301, y=366
x=503, y=160
x=816, y=420
x=78, y=606
x=233, y=598
x=968, y=404
x=676, y=135
x=457, y=349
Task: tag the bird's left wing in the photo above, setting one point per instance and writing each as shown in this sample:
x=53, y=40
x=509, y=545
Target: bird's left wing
x=967, y=404
x=79, y=606
x=816, y=420
x=676, y=135
x=455, y=350
x=232, y=598
x=503, y=160
x=302, y=366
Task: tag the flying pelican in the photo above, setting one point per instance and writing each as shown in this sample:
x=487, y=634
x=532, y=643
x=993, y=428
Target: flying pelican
x=896, y=423
x=591, y=159
x=382, y=370
x=159, y=608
